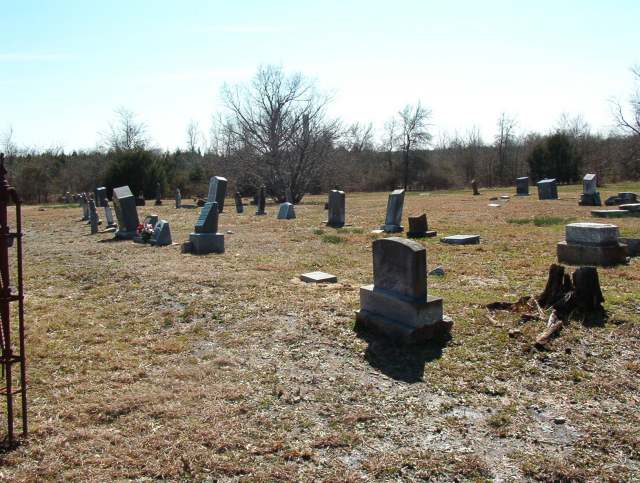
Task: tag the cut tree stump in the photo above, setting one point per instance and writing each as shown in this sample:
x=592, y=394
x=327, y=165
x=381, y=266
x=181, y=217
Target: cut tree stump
x=558, y=285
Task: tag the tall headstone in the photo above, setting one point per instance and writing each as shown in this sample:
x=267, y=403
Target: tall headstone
x=108, y=215
x=592, y=244
x=393, y=220
x=261, y=201
x=126, y=213
x=205, y=238
x=217, y=191
x=286, y=211
x=158, y=194
x=397, y=304
x=336, y=208
x=178, y=198
x=101, y=196
x=239, y=205
x=474, y=186
x=161, y=234
x=84, y=202
x=522, y=186
x=94, y=220
x=547, y=189
x=590, y=195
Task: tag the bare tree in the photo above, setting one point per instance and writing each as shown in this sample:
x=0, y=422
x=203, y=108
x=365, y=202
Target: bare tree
x=280, y=122
x=126, y=133
x=358, y=137
x=414, y=133
x=630, y=122
x=7, y=144
x=504, y=141
x=472, y=147
x=194, y=137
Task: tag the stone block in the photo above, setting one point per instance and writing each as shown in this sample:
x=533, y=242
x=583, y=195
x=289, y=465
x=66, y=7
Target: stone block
x=318, y=277
x=600, y=234
x=208, y=220
x=217, y=191
x=126, y=213
x=286, y=211
x=632, y=207
x=522, y=186
x=393, y=219
x=627, y=197
x=603, y=256
x=400, y=268
x=610, y=213
x=419, y=227
x=461, y=239
x=161, y=234
x=203, y=243
x=336, y=207
x=589, y=184
x=547, y=189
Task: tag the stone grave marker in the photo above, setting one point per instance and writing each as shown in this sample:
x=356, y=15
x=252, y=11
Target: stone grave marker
x=178, y=198
x=217, y=191
x=393, y=220
x=286, y=211
x=108, y=214
x=397, y=304
x=94, y=220
x=547, y=189
x=474, y=186
x=610, y=213
x=84, y=203
x=591, y=244
x=336, y=206
x=461, y=239
x=101, y=196
x=158, y=201
x=522, y=186
x=419, y=227
x=318, y=277
x=140, y=201
x=239, y=204
x=590, y=195
x=126, y=213
x=205, y=238
x=262, y=198
x=161, y=234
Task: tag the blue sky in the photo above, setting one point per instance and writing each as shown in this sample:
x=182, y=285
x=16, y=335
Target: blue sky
x=65, y=65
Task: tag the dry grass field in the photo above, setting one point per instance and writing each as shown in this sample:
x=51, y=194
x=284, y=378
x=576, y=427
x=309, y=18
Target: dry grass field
x=146, y=363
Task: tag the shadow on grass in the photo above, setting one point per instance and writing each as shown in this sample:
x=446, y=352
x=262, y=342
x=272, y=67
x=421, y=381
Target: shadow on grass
x=402, y=362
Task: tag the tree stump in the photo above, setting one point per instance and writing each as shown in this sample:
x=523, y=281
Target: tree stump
x=558, y=285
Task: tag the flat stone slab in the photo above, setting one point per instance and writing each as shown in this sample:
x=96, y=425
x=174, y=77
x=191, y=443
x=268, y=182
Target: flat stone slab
x=505, y=197
x=599, y=234
x=634, y=207
x=461, y=239
x=610, y=213
x=318, y=277
x=494, y=205
x=603, y=256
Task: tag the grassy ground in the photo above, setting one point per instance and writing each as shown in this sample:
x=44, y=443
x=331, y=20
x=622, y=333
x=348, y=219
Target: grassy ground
x=147, y=363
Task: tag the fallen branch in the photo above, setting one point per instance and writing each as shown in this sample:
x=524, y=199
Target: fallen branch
x=554, y=325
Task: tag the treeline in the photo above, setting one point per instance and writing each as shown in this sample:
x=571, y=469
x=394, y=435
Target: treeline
x=275, y=132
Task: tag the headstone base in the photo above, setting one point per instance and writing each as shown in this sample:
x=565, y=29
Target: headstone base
x=461, y=239
x=392, y=228
x=632, y=207
x=125, y=235
x=602, y=256
x=203, y=243
x=260, y=213
x=590, y=199
x=422, y=234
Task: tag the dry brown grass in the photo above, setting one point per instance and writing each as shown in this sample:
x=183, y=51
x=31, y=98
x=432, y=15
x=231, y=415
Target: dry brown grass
x=146, y=363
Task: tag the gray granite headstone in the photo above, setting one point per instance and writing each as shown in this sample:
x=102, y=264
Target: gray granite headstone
x=286, y=211
x=522, y=186
x=84, y=202
x=208, y=220
x=591, y=244
x=94, y=220
x=336, y=209
x=589, y=184
x=260, y=202
x=393, y=220
x=158, y=201
x=217, y=191
x=400, y=268
x=239, y=204
x=108, y=214
x=126, y=212
x=419, y=227
x=178, y=198
x=474, y=186
x=101, y=196
x=547, y=189
x=161, y=234
x=206, y=238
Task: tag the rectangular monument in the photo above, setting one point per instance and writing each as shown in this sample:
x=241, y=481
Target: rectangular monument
x=217, y=191
x=547, y=189
x=522, y=186
x=101, y=196
x=126, y=213
x=286, y=211
x=397, y=304
x=590, y=195
x=591, y=244
x=336, y=209
x=205, y=238
x=393, y=220
x=261, y=201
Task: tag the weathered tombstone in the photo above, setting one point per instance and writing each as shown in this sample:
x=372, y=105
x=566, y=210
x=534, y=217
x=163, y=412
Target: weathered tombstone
x=239, y=205
x=286, y=211
x=590, y=195
x=397, y=304
x=108, y=214
x=393, y=220
x=419, y=227
x=591, y=244
x=206, y=238
x=632, y=208
x=627, y=197
x=522, y=186
x=101, y=196
x=126, y=213
x=461, y=239
x=178, y=198
x=84, y=203
x=547, y=189
x=217, y=191
x=140, y=201
x=261, y=201
x=474, y=186
x=161, y=234
x=158, y=201
x=94, y=220
x=336, y=209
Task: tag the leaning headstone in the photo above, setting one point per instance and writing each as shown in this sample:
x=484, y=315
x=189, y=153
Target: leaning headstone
x=126, y=213
x=419, y=227
x=178, y=198
x=547, y=189
x=590, y=195
x=94, y=220
x=393, y=220
x=261, y=201
x=217, y=191
x=286, y=211
x=158, y=194
x=161, y=234
x=461, y=239
x=474, y=186
x=592, y=244
x=336, y=209
x=205, y=238
x=239, y=205
x=397, y=304
x=101, y=196
x=522, y=186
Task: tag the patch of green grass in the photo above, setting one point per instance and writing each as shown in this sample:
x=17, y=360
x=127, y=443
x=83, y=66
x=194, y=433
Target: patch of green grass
x=551, y=220
x=335, y=239
x=519, y=221
x=318, y=231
